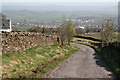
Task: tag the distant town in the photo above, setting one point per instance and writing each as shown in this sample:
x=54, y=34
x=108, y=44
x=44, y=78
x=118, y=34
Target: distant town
x=82, y=22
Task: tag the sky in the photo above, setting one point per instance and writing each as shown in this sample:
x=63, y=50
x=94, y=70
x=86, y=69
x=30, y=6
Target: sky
x=59, y=0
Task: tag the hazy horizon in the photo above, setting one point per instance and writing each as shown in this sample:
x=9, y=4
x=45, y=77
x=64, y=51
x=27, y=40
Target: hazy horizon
x=38, y=5
x=50, y=9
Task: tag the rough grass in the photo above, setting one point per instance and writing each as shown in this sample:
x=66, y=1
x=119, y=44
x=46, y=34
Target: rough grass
x=97, y=35
x=85, y=40
x=34, y=62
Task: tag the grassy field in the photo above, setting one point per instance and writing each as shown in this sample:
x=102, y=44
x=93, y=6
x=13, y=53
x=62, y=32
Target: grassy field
x=34, y=62
x=97, y=35
x=22, y=28
x=94, y=35
x=85, y=40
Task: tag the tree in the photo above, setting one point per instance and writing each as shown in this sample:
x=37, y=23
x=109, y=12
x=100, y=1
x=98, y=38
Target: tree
x=61, y=33
x=66, y=32
x=70, y=31
x=107, y=31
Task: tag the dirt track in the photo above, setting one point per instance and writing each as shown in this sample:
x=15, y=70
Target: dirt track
x=85, y=63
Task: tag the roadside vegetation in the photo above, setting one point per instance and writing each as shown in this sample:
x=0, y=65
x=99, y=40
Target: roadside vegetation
x=111, y=56
x=35, y=62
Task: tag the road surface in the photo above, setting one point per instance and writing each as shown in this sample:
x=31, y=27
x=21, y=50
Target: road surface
x=84, y=63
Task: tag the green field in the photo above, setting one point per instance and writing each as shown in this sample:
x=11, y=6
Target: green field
x=97, y=35
x=22, y=28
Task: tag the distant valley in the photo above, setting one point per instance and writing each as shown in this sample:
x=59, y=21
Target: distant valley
x=55, y=11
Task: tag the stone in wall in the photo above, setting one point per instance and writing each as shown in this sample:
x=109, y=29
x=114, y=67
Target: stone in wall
x=20, y=41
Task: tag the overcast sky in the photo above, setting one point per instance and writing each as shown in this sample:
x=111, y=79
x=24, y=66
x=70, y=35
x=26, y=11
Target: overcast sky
x=60, y=0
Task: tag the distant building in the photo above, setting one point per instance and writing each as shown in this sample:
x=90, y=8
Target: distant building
x=82, y=27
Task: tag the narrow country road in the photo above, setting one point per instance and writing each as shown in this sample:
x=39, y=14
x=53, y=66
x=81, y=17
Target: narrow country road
x=85, y=63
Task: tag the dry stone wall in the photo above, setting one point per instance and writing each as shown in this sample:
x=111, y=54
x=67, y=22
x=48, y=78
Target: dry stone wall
x=20, y=41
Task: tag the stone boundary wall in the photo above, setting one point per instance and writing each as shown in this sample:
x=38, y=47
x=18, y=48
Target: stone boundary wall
x=20, y=41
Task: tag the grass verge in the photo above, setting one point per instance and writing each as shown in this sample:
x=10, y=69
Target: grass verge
x=111, y=56
x=34, y=62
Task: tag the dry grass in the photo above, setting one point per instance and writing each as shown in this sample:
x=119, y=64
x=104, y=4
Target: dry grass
x=34, y=62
